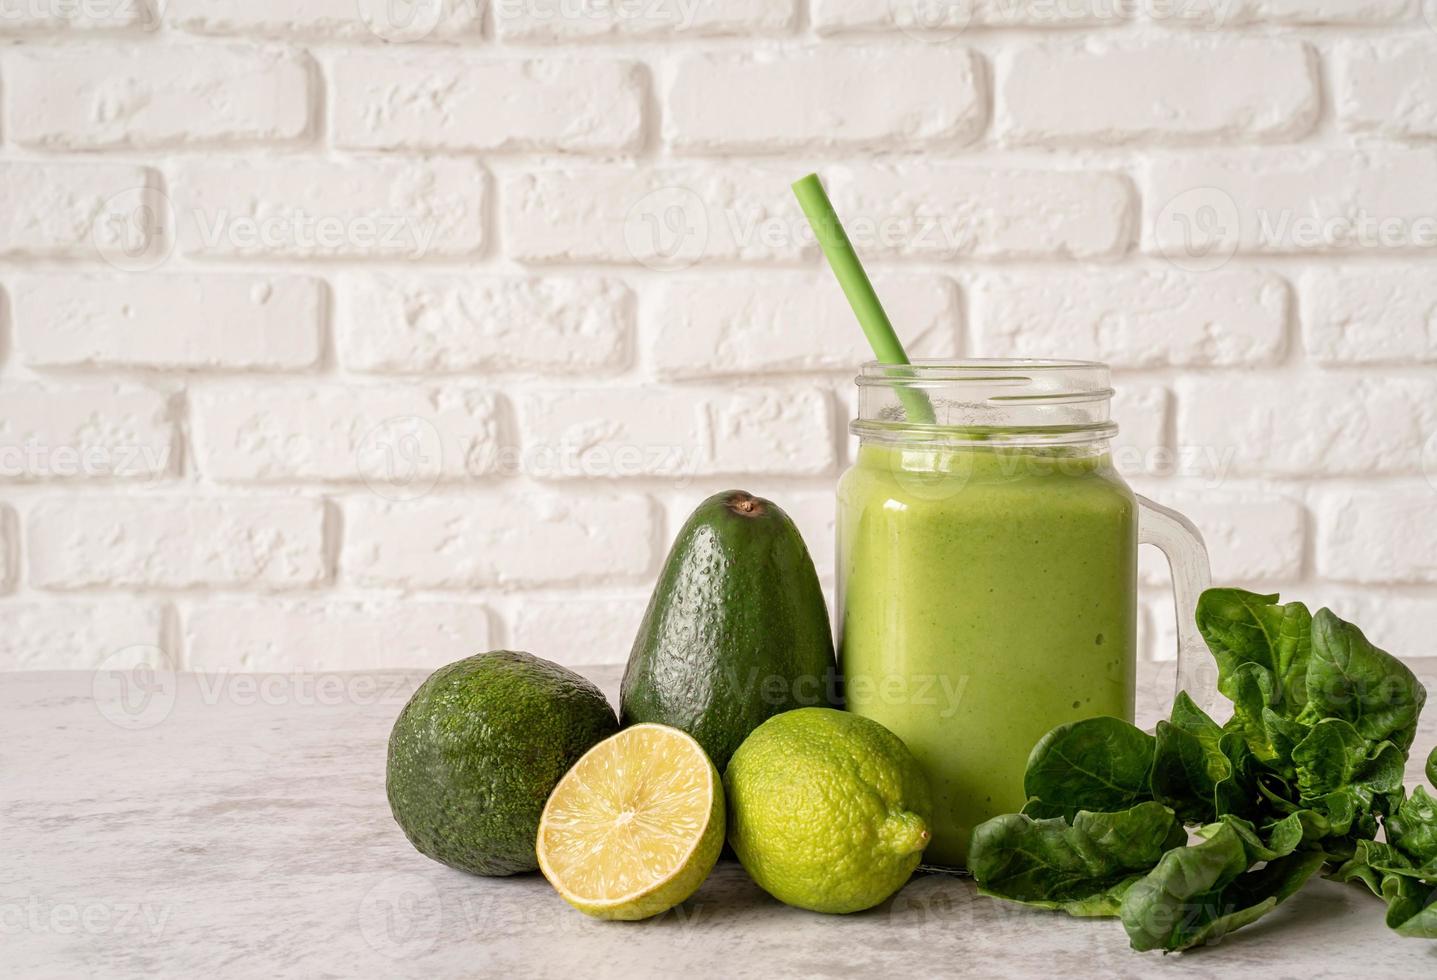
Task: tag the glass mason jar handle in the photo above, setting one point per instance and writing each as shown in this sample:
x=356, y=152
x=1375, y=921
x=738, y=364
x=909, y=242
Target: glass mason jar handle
x=1183, y=545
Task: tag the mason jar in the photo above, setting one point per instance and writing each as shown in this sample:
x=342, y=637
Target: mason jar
x=987, y=576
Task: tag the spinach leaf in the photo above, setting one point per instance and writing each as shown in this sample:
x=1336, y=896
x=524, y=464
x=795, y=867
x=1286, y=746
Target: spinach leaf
x=1359, y=867
x=1237, y=791
x=1383, y=860
x=1082, y=868
x=1256, y=893
x=1410, y=892
x=1199, y=893
x=1282, y=840
x=1381, y=773
x=1346, y=778
x=1254, y=692
x=1243, y=627
x=1283, y=734
x=1101, y=764
x=1304, y=773
x=1039, y=810
x=1411, y=907
x=1327, y=759
x=1388, y=860
x=1188, y=762
x=1349, y=678
x=1412, y=830
x=1296, y=829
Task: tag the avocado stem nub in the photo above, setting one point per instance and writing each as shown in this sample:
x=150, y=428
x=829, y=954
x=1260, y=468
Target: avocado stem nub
x=746, y=504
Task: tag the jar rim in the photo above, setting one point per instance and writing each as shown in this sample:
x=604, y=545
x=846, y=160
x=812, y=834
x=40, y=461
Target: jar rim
x=1030, y=401
x=976, y=369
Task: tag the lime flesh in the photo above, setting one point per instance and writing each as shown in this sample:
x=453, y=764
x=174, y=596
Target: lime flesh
x=635, y=827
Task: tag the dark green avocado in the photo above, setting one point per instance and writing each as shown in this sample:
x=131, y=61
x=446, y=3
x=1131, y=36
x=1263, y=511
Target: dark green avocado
x=477, y=750
x=736, y=631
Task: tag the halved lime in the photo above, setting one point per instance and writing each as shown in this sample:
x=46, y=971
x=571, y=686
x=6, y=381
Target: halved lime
x=635, y=827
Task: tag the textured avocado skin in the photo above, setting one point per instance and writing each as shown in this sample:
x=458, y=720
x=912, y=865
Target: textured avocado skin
x=736, y=630
x=477, y=750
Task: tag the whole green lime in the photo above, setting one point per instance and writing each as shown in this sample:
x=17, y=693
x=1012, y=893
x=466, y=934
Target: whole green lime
x=827, y=810
x=477, y=750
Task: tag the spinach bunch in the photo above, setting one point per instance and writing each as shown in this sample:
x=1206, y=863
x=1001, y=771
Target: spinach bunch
x=1299, y=779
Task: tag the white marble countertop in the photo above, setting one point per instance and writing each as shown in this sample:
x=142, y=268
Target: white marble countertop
x=237, y=826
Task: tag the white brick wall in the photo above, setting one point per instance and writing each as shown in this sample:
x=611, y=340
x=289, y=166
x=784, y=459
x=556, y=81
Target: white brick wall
x=177, y=322
x=335, y=339
x=1370, y=315
x=176, y=542
x=1180, y=90
x=823, y=98
x=453, y=323
x=94, y=96
x=284, y=635
x=1386, y=86
x=434, y=101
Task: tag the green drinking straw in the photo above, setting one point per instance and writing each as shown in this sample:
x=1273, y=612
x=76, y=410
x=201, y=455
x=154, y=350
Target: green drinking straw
x=843, y=259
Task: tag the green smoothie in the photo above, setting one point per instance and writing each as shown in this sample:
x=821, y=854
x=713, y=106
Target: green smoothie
x=987, y=595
